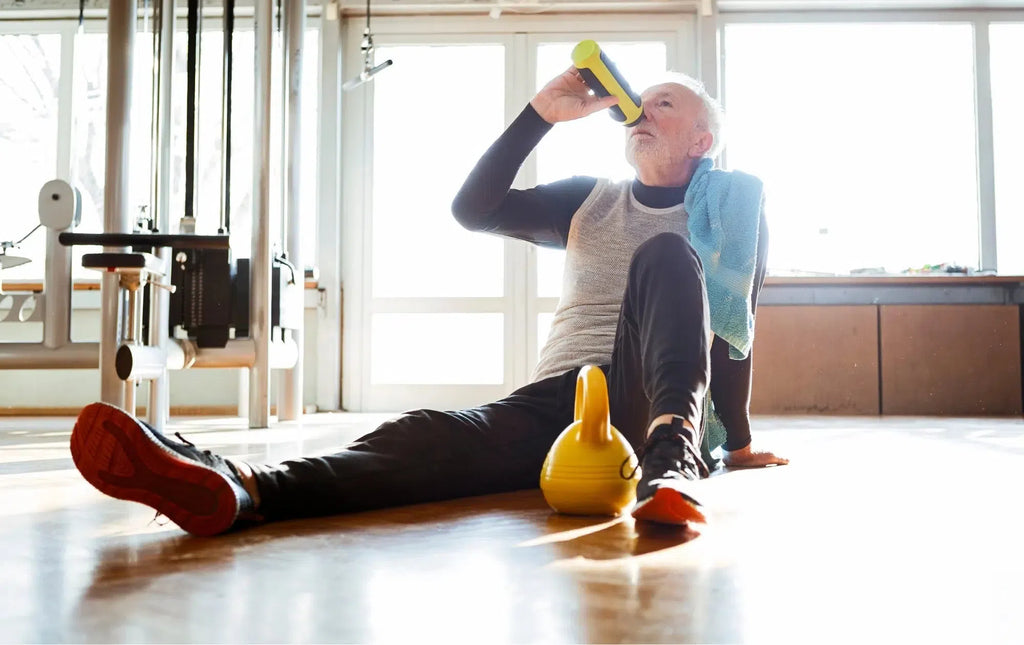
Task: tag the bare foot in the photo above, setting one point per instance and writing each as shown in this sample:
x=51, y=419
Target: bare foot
x=749, y=458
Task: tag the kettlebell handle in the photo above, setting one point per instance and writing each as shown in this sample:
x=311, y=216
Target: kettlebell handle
x=592, y=406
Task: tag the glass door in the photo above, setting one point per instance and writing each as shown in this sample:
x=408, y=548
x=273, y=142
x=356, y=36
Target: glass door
x=439, y=308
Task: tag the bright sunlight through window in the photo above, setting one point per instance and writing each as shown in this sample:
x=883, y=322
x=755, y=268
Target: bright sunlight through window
x=865, y=137
x=423, y=150
x=28, y=139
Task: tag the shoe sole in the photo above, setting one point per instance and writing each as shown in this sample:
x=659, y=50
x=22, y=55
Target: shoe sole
x=121, y=458
x=668, y=506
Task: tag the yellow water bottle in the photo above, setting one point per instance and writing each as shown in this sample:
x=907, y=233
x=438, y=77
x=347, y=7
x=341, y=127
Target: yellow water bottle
x=604, y=78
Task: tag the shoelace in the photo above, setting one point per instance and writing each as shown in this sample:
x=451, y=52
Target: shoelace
x=184, y=440
x=191, y=445
x=209, y=454
x=688, y=445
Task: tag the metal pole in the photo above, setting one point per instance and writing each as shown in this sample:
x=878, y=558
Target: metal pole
x=225, y=118
x=138, y=362
x=243, y=392
x=259, y=308
x=56, y=292
x=242, y=352
x=36, y=356
x=131, y=336
x=195, y=28
x=988, y=259
x=159, y=299
x=329, y=328
x=291, y=398
x=116, y=217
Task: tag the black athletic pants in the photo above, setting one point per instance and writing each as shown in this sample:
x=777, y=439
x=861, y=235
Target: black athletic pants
x=660, y=365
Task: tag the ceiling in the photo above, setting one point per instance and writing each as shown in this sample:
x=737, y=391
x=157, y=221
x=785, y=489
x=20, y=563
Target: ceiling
x=56, y=8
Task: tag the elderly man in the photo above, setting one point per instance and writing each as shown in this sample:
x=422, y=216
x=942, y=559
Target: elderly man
x=635, y=301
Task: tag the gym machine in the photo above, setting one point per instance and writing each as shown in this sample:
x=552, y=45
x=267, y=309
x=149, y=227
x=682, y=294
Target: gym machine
x=179, y=300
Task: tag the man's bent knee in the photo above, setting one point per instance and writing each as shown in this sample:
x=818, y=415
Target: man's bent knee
x=665, y=247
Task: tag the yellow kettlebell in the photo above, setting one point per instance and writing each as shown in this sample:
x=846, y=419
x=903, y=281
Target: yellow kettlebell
x=584, y=472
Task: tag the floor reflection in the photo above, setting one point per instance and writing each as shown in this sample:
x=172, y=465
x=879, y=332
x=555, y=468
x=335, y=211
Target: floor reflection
x=879, y=528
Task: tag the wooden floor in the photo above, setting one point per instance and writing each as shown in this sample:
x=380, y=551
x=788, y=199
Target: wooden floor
x=902, y=530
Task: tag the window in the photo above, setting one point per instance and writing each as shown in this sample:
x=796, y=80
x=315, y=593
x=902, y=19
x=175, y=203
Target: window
x=1007, y=64
x=433, y=348
x=29, y=90
x=430, y=128
x=423, y=150
x=30, y=107
x=865, y=137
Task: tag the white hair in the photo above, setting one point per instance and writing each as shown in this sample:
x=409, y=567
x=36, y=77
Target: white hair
x=714, y=121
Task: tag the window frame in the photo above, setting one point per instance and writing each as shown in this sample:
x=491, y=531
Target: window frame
x=1018, y=20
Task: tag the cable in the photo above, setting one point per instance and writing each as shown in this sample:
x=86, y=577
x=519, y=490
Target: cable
x=369, y=70
x=37, y=226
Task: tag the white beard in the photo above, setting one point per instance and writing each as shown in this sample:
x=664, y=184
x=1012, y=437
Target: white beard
x=647, y=148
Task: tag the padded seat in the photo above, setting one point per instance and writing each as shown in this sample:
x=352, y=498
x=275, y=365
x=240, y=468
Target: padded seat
x=124, y=262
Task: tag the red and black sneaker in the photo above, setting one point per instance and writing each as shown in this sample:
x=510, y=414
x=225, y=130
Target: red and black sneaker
x=670, y=465
x=125, y=458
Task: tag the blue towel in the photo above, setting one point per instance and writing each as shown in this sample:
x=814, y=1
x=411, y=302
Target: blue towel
x=724, y=211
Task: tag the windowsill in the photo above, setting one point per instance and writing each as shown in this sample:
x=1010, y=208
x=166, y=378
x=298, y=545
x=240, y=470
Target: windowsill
x=85, y=285
x=933, y=289
x=805, y=290
x=891, y=280
x=770, y=281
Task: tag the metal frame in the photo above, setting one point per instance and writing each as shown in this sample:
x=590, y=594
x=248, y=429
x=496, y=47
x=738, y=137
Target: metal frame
x=121, y=26
x=290, y=404
x=329, y=229
x=159, y=389
x=259, y=290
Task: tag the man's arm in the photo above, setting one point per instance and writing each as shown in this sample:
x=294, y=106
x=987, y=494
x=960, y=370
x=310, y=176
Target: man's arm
x=731, y=379
x=540, y=215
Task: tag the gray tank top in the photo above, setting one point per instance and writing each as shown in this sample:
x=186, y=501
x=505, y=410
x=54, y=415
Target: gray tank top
x=603, y=235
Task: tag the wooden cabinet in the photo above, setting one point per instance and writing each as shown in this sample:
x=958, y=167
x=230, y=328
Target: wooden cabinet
x=950, y=359
x=816, y=360
x=891, y=359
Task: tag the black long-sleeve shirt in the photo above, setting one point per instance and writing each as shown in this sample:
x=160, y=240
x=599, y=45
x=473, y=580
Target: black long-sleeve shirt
x=542, y=215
